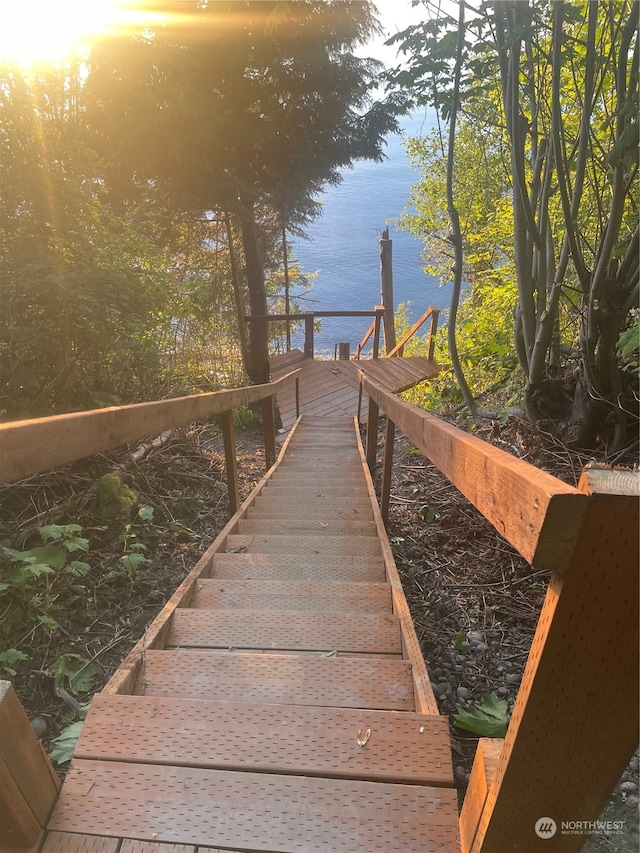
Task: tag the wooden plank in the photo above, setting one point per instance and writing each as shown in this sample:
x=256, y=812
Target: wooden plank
x=231, y=464
x=18, y=824
x=284, y=595
x=67, y=842
x=424, y=697
x=130, y=846
x=586, y=642
x=303, y=740
x=483, y=771
x=341, y=682
x=34, y=848
x=30, y=784
x=124, y=678
x=293, y=567
x=256, y=811
x=343, y=527
x=27, y=447
x=320, y=514
x=351, y=546
x=304, y=630
x=537, y=513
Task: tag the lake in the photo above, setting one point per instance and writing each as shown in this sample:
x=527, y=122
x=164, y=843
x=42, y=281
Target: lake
x=345, y=251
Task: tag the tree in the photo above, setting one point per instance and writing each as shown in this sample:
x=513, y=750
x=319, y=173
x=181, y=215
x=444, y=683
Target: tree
x=82, y=290
x=242, y=107
x=559, y=82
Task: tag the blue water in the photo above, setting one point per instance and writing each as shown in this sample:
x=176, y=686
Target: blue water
x=345, y=245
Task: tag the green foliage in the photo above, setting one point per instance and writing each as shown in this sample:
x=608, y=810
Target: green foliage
x=74, y=671
x=490, y=719
x=64, y=745
x=10, y=657
x=115, y=499
x=31, y=581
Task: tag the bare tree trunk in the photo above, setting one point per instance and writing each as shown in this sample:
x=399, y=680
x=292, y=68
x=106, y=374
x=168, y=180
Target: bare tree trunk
x=258, y=368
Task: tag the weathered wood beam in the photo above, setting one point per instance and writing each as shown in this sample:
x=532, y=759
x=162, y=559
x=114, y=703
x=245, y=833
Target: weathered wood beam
x=231, y=463
x=483, y=772
x=27, y=447
x=28, y=783
x=538, y=514
x=574, y=726
x=385, y=491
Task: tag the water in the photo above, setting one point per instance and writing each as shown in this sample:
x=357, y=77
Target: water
x=345, y=246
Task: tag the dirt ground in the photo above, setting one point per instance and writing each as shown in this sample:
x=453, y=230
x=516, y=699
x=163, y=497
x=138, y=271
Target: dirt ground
x=474, y=601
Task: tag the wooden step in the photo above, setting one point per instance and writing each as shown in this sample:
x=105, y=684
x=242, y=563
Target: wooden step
x=293, y=630
x=287, y=595
x=321, y=514
x=292, y=567
x=309, y=741
x=339, y=682
x=255, y=811
x=283, y=524
x=311, y=500
x=350, y=546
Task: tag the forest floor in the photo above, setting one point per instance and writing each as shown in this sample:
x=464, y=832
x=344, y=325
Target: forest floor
x=63, y=631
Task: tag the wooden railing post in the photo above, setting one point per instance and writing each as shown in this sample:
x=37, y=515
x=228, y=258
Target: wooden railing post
x=28, y=783
x=297, y=397
x=435, y=313
x=389, y=436
x=372, y=435
x=574, y=726
x=228, y=433
x=269, y=431
x=308, y=335
x=376, y=330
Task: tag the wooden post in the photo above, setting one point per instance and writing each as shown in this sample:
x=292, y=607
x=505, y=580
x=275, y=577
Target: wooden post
x=376, y=331
x=359, y=400
x=308, y=335
x=389, y=435
x=269, y=431
x=574, y=726
x=228, y=433
x=28, y=783
x=297, y=397
x=386, y=289
x=435, y=313
x=483, y=771
x=372, y=435
x=343, y=352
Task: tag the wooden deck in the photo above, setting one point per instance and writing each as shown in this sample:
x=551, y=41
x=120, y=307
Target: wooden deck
x=280, y=702
x=330, y=388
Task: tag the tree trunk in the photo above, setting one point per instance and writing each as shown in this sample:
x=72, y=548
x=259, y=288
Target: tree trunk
x=258, y=367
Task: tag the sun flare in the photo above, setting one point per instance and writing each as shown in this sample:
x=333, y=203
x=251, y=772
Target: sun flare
x=34, y=32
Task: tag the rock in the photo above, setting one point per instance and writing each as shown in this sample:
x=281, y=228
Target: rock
x=440, y=689
x=460, y=772
x=437, y=672
x=453, y=680
x=503, y=691
x=462, y=693
x=475, y=635
x=39, y=726
x=481, y=647
x=445, y=657
x=513, y=678
x=628, y=787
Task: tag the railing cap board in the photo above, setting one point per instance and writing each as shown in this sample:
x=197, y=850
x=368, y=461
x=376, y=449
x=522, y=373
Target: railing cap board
x=28, y=447
x=538, y=514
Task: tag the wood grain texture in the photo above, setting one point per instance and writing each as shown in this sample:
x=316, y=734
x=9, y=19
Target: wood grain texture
x=537, y=513
x=236, y=810
x=30, y=785
x=66, y=842
x=585, y=646
x=27, y=447
x=483, y=771
x=295, y=739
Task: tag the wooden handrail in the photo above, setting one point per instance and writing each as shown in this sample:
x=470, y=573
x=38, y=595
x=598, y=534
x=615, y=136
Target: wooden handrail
x=432, y=312
x=363, y=342
x=538, y=514
x=270, y=318
x=28, y=447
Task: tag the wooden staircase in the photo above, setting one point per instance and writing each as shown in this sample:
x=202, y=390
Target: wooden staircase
x=284, y=704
